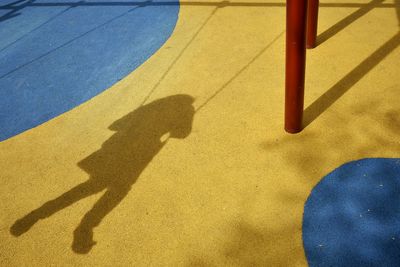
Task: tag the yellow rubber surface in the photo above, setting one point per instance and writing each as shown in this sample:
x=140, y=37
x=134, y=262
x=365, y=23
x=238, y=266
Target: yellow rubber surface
x=230, y=193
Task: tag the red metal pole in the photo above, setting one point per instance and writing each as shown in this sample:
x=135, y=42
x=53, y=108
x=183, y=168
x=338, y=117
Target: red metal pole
x=312, y=23
x=296, y=18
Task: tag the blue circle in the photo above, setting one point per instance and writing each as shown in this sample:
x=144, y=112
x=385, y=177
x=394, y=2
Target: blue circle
x=352, y=217
x=57, y=54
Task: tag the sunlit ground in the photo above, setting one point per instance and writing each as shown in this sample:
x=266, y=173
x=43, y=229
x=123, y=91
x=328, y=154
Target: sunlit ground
x=184, y=162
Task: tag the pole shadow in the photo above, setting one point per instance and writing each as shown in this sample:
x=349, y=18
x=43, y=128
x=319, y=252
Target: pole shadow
x=117, y=165
x=342, y=24
x=326, y=100
x=13, y=10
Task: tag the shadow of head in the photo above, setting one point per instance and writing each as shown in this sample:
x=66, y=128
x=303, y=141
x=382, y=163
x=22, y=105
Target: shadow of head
x=138, y=137
x=172, y=114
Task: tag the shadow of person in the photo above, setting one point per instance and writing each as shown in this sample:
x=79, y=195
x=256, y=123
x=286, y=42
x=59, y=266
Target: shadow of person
x=115, y=167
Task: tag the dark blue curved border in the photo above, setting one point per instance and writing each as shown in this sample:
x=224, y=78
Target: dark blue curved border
x=57, y=54
x=352, y=217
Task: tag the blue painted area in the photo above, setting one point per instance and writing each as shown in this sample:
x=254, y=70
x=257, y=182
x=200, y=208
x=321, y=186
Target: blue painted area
x=57, y=54
x=352, y=217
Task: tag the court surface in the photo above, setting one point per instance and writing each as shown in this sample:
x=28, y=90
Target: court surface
x=150, y=133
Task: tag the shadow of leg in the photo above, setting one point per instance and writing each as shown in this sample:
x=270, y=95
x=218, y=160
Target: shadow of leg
x=49, y=208
x=83, y=234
